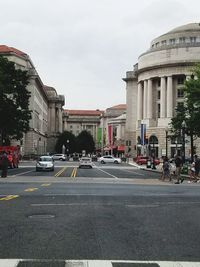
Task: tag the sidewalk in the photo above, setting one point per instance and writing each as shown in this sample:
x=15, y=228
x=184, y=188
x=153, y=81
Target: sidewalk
x=157, y=170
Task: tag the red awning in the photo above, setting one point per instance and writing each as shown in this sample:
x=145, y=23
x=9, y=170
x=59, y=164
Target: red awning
x=121, y=148
x=107, y=148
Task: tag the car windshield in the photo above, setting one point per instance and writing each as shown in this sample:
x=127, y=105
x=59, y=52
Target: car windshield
x=85, y=159
x=45, y=159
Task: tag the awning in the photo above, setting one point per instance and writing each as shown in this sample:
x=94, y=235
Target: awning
x=121, y=148
x=108, y=148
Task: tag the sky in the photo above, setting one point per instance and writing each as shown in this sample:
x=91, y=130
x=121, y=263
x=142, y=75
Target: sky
x=83, y=48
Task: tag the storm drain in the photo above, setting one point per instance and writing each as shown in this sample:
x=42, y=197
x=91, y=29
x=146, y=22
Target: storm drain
x=41, y=264
x=41, y=216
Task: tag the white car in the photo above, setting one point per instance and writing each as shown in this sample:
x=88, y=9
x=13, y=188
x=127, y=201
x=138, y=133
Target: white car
x=59, y=157
x=45, y=163
x=109, y=159
x=85, y=162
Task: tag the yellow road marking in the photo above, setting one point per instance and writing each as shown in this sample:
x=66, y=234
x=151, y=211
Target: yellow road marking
x=30, y=189
x=45, y=184
x=9, y=197
x=73, y=174
x=60, y=172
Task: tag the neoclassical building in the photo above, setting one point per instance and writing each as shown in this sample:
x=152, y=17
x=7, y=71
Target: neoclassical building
x=155, y=87
x=45, y=104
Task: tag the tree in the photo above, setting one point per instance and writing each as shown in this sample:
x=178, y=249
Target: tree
x=14, y=101
x=188, y=113
x=85, y=142
x=68, y=140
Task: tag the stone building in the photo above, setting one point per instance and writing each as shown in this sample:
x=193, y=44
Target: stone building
x=113, y=123
x=76, y=121
x=155, y=87
x=46, y=106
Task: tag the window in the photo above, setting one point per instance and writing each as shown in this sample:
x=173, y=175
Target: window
x=71, y=126
x=180, y=92
x=158, y=83
x=158, y=94
x=180, y=80
x=157, y=44
x=172, y=41
x=182, y=40
x=193, y=39
x=164, y=42
x=158, y=110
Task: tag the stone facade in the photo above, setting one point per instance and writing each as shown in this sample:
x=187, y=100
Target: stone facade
x=155, y=87
x=40, y=138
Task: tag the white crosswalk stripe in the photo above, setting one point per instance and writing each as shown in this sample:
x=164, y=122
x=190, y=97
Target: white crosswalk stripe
x=99, y=263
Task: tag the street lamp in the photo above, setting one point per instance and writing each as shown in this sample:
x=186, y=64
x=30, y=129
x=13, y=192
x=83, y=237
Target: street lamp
x=166, y=142
x=183, y=139
x=67, y=148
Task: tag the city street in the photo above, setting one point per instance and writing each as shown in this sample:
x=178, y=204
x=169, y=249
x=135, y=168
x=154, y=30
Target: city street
x=118, y=214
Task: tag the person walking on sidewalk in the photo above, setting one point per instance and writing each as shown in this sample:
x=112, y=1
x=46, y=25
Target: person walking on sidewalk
x=4, y=165
x=192, y=173
x=197, y=166
x=165, y=170
x=179, y=164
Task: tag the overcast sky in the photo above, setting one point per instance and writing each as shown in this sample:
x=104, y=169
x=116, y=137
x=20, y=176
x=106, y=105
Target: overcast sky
x=83, y=48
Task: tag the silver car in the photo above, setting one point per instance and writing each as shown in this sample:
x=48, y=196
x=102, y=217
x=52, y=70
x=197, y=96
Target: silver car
x=109, y=159
x=45, y=163
x=59, y=157
x=85, y=162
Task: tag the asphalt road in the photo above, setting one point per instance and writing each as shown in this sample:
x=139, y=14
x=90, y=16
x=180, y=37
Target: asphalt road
x=98, y=218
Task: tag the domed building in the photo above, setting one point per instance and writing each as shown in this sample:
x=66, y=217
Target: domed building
x=155, y=87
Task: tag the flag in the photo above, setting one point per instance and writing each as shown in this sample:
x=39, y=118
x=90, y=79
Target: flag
x=110, y=133
x=99, y=135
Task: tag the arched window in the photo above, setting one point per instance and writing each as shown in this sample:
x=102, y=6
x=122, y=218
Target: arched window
x=153, y=139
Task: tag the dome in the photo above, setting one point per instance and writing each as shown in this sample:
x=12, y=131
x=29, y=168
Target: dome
x=191, y=27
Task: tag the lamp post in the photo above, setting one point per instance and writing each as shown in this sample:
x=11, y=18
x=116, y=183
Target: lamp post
x=166, y=142
x=183, y=140
x=67, y=148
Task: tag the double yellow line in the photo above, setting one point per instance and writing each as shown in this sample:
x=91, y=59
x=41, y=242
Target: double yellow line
x=73, y=174
x=60, y=172
x=9, y=197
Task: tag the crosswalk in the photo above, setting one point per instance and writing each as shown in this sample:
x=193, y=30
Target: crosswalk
x=93, y=263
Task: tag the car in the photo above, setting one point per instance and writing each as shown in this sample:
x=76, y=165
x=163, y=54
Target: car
x=45, y=163
x=85, y=162
x=59, y=157
x=141, y=160
x=109, y=159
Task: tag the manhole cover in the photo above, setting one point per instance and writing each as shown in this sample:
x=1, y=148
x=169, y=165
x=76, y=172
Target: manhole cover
x=41, y=216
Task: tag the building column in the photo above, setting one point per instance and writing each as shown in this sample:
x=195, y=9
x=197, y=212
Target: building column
x=169, y=97
x=145, y=100
x=60, y=120
x=150, y=100
x=163, y=97
x=52, y=118
x=139, y=102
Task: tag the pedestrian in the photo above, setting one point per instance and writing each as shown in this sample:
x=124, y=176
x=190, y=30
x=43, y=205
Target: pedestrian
x=4, y=165
x=197, y=166
x=178, y=164
x=192, y=173
x=165, y=170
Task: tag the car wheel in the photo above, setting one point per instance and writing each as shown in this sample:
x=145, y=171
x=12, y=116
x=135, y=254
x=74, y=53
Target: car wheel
x=52, y=170
x=102, y=162
x=116, y=162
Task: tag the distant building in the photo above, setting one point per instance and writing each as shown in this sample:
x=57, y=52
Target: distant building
x=46, y=106
x=113, y=123
x=155, y=87
x=76, y=121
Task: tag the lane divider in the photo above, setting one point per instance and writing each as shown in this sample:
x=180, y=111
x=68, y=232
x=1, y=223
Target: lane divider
x=31, y=189
x=45, y=184
x=60, y=172
x=73, y=174
x=9, y=197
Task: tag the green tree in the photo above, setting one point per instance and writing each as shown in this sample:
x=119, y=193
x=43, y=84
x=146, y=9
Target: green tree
x=188, y=113
x=14, y=101
x=68, y=140
x=85, y=142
